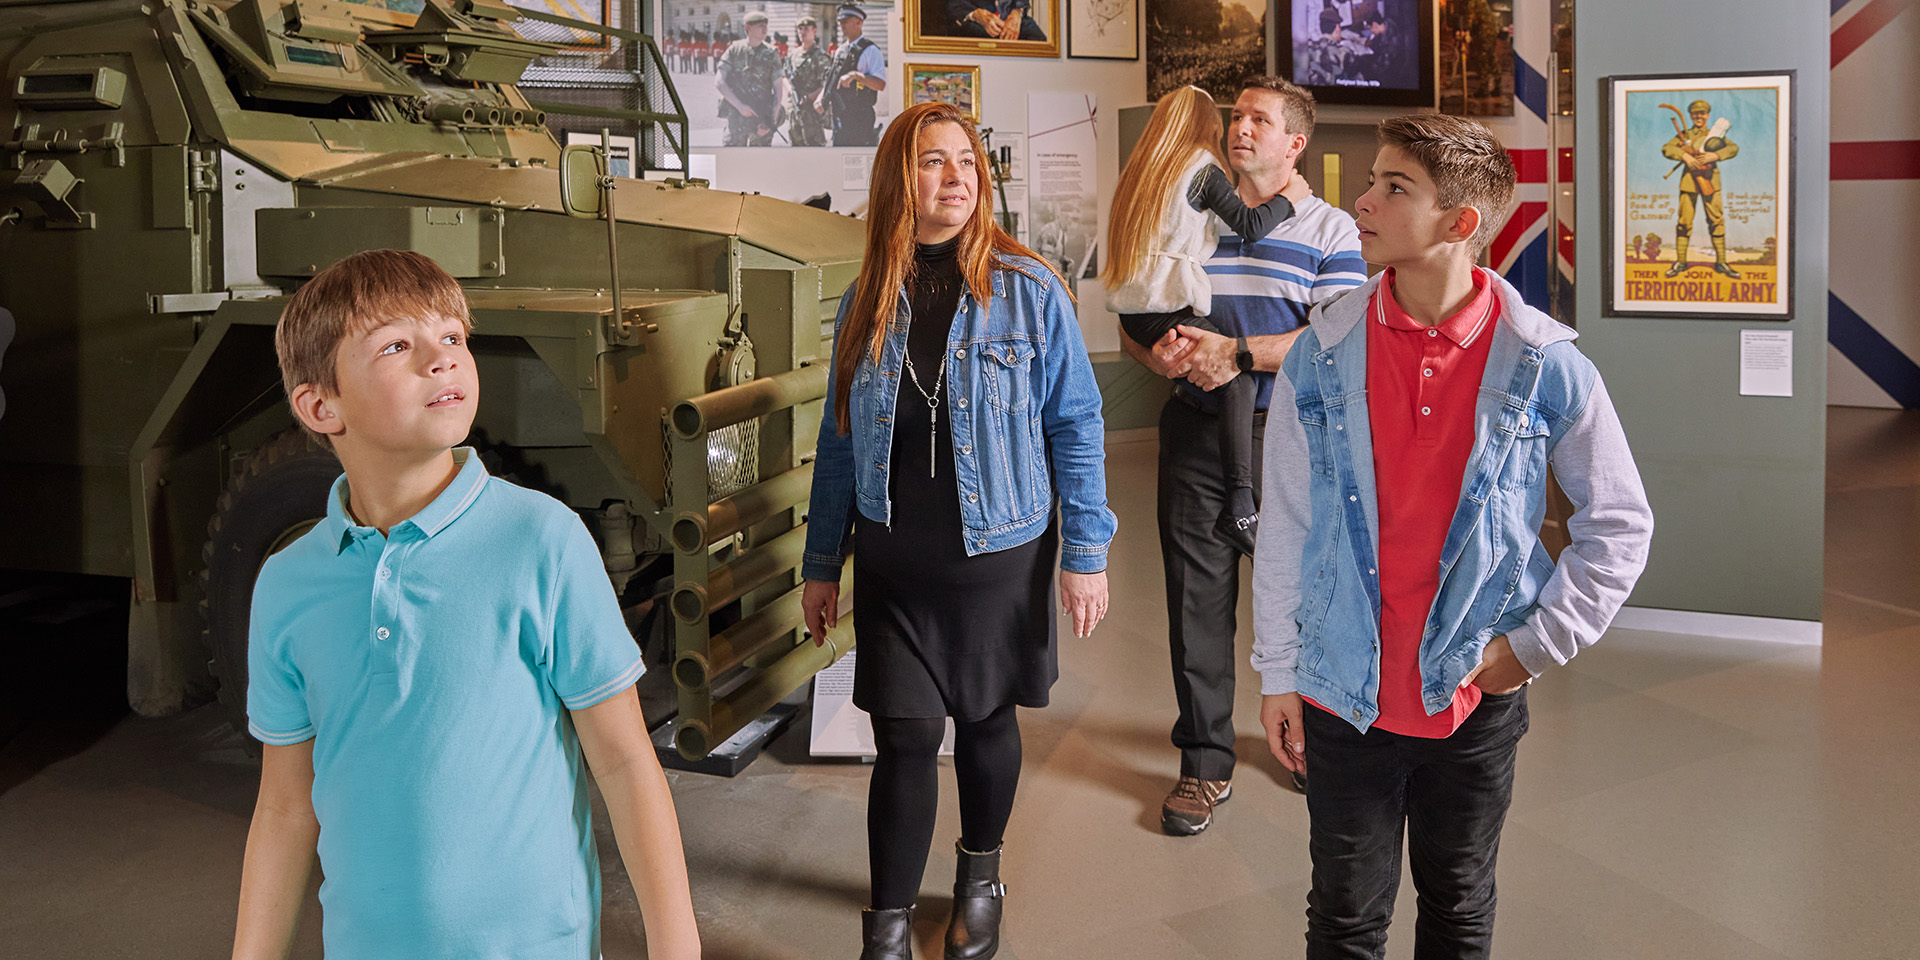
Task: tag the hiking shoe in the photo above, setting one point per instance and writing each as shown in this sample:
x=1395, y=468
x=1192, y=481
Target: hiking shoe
x=1189, y=808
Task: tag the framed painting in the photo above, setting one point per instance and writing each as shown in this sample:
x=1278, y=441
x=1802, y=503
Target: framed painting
x=945, y=83
x=1699, y=196
x=994, y=28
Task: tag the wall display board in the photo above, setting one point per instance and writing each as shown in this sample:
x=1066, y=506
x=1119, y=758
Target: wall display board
x=945, y=83
x=998, y=28
x=1699, y=196
x=1103, y=29
x=1476, y=58
x=776, y=73
x=1370, y=52
x=1064, y=193
x=1211, y=44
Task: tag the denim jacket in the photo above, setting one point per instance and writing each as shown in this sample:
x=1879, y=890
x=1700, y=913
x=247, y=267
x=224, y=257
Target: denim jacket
x=1316, y=594
x=1025, y=416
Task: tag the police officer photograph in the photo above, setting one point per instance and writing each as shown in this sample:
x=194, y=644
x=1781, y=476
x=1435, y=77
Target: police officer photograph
x=762, y=73
x=859, y=75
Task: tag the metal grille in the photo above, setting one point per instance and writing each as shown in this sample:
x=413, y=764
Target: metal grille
x=607, y=77
x=733, y=459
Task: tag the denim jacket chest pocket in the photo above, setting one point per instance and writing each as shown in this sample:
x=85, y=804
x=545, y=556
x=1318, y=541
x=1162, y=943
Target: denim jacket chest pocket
x=1007, y=367
x=1532, y=439
x=1003, y=371
x=1314, y=421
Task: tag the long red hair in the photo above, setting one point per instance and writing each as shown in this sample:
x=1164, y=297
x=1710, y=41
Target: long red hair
x=893, y=213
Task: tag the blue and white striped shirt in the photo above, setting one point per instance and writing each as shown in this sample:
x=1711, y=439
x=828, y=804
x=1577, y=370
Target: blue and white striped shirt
x=1268, y=286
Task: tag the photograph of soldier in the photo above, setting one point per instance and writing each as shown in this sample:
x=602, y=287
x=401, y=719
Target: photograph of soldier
x=752, y=83
x=1211, y=44
x=1357, y=43
x=859, y=74
x=1322, y=60
x=1476, y=58
x=808, y=68
x=1699, y=148
x=981, y=19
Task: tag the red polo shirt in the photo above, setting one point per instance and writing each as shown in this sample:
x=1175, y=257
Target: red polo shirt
x=1422, y=384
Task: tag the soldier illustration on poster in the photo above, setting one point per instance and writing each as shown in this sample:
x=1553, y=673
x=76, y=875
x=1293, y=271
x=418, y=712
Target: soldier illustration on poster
x=1700, y=194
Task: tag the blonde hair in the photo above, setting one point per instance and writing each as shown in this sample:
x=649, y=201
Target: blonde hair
x=355, y=295
x=1184, y=122
x=1468, y=165
x=893, y=216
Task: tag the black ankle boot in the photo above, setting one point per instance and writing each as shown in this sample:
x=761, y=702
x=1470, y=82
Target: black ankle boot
x=886, y=934
x=974, y=931
x=1239, y=523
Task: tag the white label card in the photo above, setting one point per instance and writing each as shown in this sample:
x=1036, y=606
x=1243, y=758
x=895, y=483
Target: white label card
x=1766, y=363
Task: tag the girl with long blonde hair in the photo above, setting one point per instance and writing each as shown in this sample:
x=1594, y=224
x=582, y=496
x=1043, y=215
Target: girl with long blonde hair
x=1159, y=237
x=962, y=417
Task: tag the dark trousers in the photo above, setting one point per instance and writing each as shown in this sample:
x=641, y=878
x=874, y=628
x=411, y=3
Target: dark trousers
x=1203, y=585
x=1447, y=797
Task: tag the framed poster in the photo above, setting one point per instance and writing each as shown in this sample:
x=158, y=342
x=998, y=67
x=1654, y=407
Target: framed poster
x=945, y=83
x=995, y=28
x=1103, y=29
x=1213, y=46
x=1699, y=196
x=1369, y=52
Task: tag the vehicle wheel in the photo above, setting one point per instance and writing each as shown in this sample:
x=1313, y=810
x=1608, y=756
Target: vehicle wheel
x=278, y=494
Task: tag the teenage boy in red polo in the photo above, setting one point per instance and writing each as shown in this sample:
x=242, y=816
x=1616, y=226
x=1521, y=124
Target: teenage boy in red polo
x=1402, y=597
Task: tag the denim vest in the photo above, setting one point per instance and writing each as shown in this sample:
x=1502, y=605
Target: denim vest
x=1025, y=415
x=1492, y=566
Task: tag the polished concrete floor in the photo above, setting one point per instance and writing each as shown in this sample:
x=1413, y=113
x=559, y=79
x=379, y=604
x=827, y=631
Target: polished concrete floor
x=1678, y=797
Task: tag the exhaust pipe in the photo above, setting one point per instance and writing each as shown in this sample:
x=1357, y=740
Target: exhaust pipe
x=445, y=111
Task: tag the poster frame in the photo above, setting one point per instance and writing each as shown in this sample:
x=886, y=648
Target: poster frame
x=1613, y=187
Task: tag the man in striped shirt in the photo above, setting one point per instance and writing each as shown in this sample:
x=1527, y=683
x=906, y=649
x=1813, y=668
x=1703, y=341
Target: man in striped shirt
x=1262, y=292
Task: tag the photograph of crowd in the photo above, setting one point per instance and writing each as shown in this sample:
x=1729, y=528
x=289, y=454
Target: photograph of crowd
x=1211, y=44
x=767, y=73
x=1361, y=51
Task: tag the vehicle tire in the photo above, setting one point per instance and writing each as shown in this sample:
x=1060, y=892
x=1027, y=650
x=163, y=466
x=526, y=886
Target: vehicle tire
x=277, y=495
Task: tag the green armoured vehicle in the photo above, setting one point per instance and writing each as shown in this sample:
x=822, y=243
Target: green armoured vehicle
x=171, y=170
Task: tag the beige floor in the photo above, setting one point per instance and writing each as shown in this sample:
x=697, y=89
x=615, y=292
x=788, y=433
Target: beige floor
x=1678, y=797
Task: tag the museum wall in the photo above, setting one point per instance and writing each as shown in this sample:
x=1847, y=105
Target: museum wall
x=1737, y=482
x=1873, y=353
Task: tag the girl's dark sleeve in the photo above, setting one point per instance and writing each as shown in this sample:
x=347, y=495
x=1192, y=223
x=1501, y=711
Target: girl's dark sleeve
x=1210, y=190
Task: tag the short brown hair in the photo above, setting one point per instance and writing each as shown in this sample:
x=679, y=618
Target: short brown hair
x=1468, y=165
x=1296, y=102
x=358, y=294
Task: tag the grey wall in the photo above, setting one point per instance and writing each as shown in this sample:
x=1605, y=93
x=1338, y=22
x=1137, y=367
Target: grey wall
x=1737, y=483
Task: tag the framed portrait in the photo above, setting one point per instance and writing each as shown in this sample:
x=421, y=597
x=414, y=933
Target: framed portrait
x=945, y=83
x=1699, y=194
x=1213, y=46
x=995, y=28
x=1103, y=29
x=1367, y=52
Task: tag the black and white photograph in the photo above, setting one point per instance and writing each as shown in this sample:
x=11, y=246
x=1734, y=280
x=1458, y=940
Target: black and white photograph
x=1211, y=44
x=1103, y=29
x=1361, y=51
x=769, y=73
x=995, y=28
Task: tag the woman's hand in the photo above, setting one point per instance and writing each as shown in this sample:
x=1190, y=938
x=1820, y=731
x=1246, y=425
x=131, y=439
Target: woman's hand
x=820, y=602
x=1083, y=596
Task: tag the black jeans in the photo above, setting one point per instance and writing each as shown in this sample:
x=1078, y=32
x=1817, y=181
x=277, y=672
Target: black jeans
x=1203, y=585
x=1448, y=797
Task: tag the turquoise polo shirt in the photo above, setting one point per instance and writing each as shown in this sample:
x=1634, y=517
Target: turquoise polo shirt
x=433, y=669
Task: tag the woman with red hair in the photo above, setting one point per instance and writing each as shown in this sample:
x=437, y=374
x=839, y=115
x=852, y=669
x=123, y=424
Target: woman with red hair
x=962, y=415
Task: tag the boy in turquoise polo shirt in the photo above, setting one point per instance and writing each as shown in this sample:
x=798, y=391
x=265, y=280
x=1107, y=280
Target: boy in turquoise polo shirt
x=430, y=664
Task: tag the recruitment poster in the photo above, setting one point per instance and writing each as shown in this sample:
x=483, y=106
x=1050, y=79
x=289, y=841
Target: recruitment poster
x=1700, y=184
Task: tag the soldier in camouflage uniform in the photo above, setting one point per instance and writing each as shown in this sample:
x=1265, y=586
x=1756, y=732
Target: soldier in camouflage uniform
x=808, y=69
x=1328, y=54
x=752, y=83
x=1700, y=154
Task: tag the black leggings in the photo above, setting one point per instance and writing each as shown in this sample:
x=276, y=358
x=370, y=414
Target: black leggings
x=1236, y=395
x=905, y=794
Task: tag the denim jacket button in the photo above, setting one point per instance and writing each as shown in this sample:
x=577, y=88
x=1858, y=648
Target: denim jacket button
x=982, y=544
x=966, y=448
x=1355, y=499
x=973, y=498
x=961, y=403
x=1356, y=714
x=959, y=354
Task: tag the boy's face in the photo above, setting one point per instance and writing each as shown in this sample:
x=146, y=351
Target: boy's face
x=406, y=387
x=1400, y=218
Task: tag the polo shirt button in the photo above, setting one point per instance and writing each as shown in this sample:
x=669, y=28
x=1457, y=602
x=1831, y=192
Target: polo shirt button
x=1433, y=333
x=1426, y=373
x=1426, y=411
x=382, y=633
x=973, y=498
x=386, y=574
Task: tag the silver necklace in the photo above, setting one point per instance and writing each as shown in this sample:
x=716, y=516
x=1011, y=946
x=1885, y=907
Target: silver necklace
x=933, y=405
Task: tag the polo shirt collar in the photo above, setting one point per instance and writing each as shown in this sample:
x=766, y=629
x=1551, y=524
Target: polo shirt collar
x=435, y=517
x=1464, y=327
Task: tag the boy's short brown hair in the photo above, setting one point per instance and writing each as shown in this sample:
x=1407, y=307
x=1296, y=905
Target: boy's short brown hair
x=1296, y=102
x=358, y=294
x=1468, y=165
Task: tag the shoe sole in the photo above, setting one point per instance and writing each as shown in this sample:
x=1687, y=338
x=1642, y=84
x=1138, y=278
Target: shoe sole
x=1175, y=826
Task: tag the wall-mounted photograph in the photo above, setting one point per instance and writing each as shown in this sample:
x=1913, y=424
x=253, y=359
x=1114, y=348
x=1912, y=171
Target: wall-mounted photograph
x=995, y=28
x=1211, y=44
x=1103, y=29
x=945, y=83
x=1476, y=58
x=1368, y=52
x=773, y=73
x=1700, y=196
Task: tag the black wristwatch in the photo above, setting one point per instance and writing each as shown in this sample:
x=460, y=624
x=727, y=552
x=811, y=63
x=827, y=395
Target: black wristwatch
x=1244, y=358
